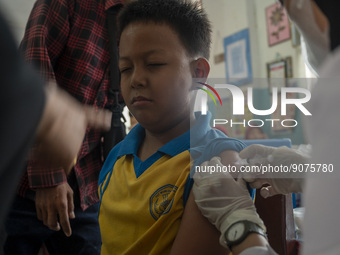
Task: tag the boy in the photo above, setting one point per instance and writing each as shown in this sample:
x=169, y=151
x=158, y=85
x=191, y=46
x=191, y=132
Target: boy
x=146, y=203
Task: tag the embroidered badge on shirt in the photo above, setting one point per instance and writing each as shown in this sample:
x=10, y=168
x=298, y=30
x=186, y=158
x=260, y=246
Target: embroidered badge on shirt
x=161, y=200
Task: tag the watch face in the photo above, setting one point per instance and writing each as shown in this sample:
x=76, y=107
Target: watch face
x=235, y=231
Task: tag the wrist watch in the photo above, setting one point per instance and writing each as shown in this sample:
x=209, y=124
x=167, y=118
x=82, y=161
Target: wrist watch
x=239, y=231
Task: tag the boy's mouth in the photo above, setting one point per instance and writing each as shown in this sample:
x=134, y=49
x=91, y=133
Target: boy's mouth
x=140, y=99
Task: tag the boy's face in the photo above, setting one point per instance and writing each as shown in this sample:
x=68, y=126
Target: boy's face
x=156, y=76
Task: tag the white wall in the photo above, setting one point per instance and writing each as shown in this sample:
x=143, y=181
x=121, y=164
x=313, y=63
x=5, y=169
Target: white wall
x=16, y=12
x=227, y=17
x=231, y=16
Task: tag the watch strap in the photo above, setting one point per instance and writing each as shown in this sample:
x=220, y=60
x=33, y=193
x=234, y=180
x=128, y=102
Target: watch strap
x=249, y=227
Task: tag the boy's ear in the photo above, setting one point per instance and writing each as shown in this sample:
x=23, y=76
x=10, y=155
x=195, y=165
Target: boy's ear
x=200, y=68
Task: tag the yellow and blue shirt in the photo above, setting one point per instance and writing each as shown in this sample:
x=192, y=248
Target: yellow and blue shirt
x=142, y=202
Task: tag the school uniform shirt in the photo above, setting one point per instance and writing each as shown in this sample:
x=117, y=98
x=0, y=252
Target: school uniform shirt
x=142, y=202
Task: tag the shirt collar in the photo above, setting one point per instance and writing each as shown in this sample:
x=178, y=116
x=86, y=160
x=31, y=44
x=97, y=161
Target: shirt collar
x=133, y=140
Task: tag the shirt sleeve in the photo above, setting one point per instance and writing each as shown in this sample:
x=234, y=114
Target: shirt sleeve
x=46, y=35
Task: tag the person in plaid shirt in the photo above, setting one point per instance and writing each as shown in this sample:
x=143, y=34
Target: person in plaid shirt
x=67, y=40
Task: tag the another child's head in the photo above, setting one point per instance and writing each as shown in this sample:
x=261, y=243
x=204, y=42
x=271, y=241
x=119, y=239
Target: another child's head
x=164, y=45
x=253, y=133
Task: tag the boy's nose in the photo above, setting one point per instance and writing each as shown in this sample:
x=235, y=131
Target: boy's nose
x=138, y=79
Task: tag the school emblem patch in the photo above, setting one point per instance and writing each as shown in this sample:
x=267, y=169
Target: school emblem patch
x=161, y=200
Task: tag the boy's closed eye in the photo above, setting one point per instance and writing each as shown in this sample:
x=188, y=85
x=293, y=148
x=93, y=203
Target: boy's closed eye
x=151, y=65
x=124, y=69
x=156, y=64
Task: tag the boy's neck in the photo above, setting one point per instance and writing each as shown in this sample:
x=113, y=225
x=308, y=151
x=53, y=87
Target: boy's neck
x=153, y=141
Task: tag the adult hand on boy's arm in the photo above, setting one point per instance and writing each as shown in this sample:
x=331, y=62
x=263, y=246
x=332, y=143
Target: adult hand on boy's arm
x=281, y=182
x=224, y=201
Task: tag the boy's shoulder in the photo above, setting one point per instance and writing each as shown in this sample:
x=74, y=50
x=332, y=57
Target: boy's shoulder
x=206, y=142
x=212, y=144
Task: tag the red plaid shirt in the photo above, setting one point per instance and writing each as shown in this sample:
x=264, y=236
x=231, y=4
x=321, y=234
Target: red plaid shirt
x=67, y=40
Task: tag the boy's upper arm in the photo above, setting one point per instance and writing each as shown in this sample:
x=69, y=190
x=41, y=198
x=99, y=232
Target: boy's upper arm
x=196, y=234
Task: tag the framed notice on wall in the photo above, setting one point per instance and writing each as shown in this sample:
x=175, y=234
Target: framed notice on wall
x=278, y=71
x=278, y=25
x=237, y=58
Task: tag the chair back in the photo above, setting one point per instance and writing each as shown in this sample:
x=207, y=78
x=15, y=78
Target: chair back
x=277, y=211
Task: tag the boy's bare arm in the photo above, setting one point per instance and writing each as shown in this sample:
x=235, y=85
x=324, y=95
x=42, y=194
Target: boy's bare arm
x=196, y=234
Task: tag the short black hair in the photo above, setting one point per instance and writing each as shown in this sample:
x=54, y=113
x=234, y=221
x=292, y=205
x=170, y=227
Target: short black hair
x=187, y=19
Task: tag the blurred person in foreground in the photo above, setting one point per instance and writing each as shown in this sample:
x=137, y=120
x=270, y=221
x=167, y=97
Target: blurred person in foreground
x=67, y=42
x=31, y=113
